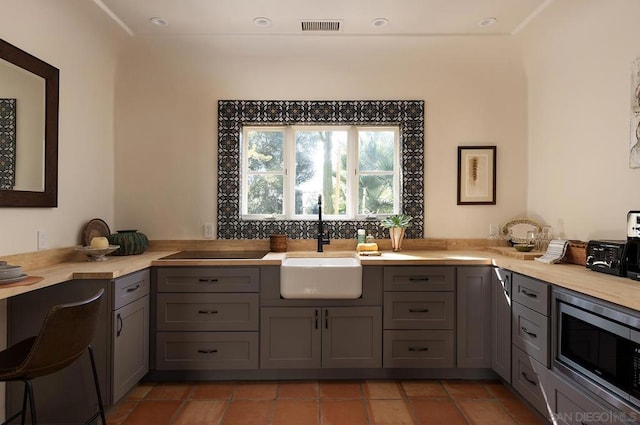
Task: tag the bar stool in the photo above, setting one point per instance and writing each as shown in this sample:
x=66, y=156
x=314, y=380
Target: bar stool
x=65, y=335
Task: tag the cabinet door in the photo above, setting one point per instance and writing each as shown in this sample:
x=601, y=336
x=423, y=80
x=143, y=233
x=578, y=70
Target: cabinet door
x=501, y=323
x=130, y=346
x=290, y=337
x=352, y=337
x=474, y=317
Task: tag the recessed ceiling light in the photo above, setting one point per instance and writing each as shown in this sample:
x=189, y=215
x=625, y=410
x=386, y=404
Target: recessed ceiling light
x=380, y=22
x=262, y=21
x=161, y=22
x=487, y=22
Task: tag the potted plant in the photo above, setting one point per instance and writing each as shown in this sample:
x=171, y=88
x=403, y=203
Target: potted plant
x=396, y=225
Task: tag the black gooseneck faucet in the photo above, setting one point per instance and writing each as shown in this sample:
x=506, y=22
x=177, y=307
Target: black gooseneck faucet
x=322, y=238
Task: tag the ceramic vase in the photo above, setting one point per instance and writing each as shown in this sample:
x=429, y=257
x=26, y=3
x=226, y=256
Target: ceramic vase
x=396, y=234
x=131, y=242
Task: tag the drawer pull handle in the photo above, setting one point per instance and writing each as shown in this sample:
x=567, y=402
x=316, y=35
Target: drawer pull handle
x=418, y=279
x=529, y=294
x=526, y=378
x=528, y=332
x=212, y=351
x=134, y=288
x=203, y=280
x=207, y=311
x=418, y=310
x=418, y=348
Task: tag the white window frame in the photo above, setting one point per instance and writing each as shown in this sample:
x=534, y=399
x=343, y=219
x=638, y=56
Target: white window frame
x=352, y=172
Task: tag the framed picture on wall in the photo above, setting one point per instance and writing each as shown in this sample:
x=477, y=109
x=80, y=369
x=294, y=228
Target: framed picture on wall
x=476, y=175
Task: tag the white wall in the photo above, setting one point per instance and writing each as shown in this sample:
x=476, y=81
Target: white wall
x=166, y=116
x=78, y=39
x=577, y=56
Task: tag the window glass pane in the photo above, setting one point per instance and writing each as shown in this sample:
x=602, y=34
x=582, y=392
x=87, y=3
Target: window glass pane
x=375, y=194
x=375, y=150
x=321, y=159
x=265, y=150
x=265, y=194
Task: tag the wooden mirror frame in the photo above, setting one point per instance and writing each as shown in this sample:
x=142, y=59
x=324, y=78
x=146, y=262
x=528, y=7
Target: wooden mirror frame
x=51, y=75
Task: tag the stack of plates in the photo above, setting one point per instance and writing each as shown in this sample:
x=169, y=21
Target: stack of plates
x=10, y=274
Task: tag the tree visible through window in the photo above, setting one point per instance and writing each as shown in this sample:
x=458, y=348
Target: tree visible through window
x=355, y=169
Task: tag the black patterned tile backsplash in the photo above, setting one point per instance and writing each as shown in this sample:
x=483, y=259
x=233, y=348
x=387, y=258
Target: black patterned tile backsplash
x=234, y=114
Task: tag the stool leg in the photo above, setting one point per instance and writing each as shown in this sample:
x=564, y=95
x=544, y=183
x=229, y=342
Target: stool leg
x=95, y=380
x=24, y=403
x=32, y=403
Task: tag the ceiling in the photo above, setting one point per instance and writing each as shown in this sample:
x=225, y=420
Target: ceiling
x=405, y=17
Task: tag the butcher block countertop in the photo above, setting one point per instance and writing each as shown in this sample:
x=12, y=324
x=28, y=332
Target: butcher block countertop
x=618, y=290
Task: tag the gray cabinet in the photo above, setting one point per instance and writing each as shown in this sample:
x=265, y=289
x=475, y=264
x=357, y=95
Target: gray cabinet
x=320, y=337
x=121, y=360
x=206, y=318
x=530, y=326
x=473, y=335
x=571, y=405
x=130, y=332
x=419, y=316
x=501, y=323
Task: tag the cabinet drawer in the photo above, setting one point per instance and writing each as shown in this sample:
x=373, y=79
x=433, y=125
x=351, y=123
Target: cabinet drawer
x=207, y=312
x=531, y=292
x=208, y=279
x=416, y=278
x=206, y=350
x=530, y=332
x=416, y=349
x=130, y=287
x=528, y=377
x=572, y=406
x=418, y=310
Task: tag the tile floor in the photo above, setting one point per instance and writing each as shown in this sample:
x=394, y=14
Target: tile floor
x=322, y=403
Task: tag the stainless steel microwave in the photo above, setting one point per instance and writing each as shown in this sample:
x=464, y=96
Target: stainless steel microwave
x=600, y=343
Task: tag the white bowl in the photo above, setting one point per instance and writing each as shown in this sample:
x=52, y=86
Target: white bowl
x=10, y=272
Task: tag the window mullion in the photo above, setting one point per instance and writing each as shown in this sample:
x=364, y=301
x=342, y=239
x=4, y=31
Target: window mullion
x=289, y=172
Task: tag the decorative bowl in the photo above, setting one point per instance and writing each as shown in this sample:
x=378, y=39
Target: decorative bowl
x=10, y=272
x=523, y=247
x=97, y=254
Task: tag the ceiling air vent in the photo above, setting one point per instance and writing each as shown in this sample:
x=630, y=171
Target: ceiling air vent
x=331, y=26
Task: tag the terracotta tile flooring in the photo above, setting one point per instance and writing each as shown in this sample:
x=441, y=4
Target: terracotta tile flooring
x=322, y=403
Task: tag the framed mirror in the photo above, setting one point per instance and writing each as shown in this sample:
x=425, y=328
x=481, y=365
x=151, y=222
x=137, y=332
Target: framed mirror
x=29, y=94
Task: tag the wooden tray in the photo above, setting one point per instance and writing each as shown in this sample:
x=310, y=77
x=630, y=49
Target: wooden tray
x=29, y=280
x=512, y=252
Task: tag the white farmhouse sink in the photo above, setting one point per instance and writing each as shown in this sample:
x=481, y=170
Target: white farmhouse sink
x=321, y=277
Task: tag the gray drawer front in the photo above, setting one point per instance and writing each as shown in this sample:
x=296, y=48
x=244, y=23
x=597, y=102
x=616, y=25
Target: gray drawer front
x=532, y=293
x=418, y=310
x=530, y=332
x=528, y=378
x=130, y=287
x=207, y=312
x=418, y=349
x=206, y=350
x=574, y=405
x=208, y=279
x=419, y=278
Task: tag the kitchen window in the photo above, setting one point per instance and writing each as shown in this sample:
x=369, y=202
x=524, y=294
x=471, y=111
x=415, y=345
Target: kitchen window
x=235, y=115
x=356, y=169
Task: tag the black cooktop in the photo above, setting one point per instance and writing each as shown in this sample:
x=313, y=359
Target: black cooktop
x=216, y=255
